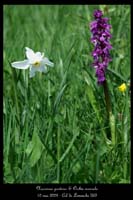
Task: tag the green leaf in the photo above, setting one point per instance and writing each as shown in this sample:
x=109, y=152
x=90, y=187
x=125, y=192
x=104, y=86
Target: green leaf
x=59, y=96
x=69, y=146
x=92, y=98
x=76, y=168
x=8, y=176
x=34, y=149
x=29, y=148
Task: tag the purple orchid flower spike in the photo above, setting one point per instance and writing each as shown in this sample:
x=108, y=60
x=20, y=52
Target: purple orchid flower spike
x=100, y=38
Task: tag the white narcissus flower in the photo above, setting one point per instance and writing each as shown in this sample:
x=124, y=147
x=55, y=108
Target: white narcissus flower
x=35, y=61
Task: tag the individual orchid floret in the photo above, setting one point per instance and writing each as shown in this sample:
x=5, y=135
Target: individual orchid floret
x=35, y=61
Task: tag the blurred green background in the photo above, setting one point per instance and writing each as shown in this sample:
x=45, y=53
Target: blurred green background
x=55, y=124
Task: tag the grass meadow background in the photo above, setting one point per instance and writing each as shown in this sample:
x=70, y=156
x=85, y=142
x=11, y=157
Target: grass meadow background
x=56, y=127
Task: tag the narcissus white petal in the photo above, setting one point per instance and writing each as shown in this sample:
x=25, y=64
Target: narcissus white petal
x=21, y=64
x=47, y=62
x=39, y=56
x=43, y=68
x=30, y=55
x=32, y=72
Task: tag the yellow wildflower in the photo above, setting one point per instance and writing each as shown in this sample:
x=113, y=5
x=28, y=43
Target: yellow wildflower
x=122, y=87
